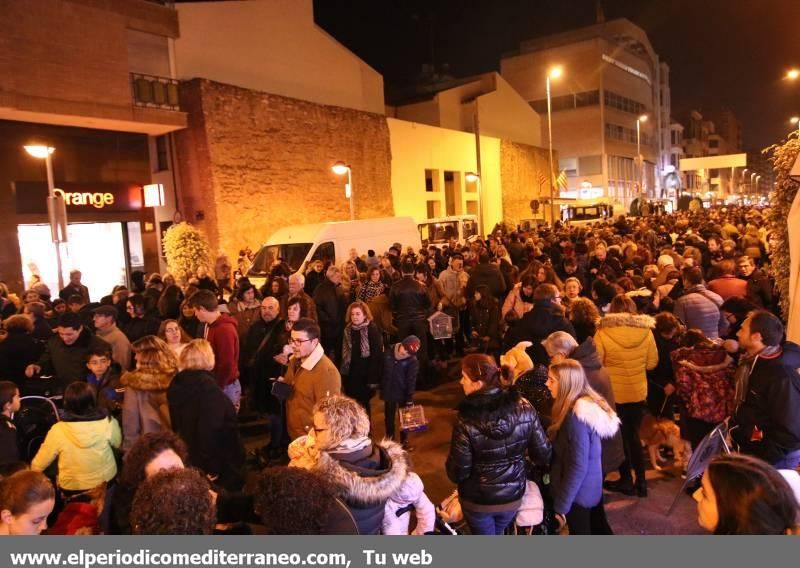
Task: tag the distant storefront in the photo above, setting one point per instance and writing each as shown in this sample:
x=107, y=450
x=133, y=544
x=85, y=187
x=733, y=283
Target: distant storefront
x=101, y=176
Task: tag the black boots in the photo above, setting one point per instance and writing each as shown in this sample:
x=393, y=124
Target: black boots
x=624, y=486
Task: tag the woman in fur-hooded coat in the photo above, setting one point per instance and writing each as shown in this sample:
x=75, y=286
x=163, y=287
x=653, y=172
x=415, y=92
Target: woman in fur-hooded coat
x=366, y=474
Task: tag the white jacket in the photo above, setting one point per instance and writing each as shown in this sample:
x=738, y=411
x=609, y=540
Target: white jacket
x=411, y=492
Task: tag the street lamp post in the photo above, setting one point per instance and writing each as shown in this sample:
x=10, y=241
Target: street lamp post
x=473, y=177
x=554, y=73
x=340, y=169
x=639, y=121
x=796, y=120
x=752, y=179
x=45, y=153
x=744, y=177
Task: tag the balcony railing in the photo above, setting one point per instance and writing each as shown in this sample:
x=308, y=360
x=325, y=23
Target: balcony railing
x=154, y=92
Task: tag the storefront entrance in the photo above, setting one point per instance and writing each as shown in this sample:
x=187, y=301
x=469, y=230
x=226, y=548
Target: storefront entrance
x=105, y=253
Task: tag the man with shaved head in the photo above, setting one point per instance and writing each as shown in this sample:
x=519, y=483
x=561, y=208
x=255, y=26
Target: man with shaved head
x=264, y=341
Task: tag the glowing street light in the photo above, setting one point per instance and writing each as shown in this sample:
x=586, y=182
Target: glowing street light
x=554, y=73
x=43, y=152
x=795, y=120
x=340, y=169
x=793, y=74
x=472, y=177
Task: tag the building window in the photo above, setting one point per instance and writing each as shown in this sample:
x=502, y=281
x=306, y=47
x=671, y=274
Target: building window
x=434, y=207
x=162, y=153
x=431, y=180
x=616, y=132
x=624, y=104
x=568, y=102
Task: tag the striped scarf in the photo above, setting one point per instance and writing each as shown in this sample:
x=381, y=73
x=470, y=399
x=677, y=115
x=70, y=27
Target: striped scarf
x=347, y=344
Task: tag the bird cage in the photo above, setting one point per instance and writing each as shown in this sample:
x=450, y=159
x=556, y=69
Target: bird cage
x=441, y=325
x=412, y=418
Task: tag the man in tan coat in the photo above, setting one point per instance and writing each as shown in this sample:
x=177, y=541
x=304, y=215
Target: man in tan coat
x=312, y=375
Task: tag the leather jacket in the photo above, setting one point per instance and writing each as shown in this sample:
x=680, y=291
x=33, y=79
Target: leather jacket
x=409, y=300
x=493, y=432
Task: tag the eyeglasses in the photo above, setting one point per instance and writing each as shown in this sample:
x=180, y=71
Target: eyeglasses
x=298, y=341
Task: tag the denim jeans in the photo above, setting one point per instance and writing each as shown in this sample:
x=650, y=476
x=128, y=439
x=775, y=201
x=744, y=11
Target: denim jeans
x=488, y=523
x=234, y=392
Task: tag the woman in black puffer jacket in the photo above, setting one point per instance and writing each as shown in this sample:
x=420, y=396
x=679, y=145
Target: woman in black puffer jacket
x=494, y=429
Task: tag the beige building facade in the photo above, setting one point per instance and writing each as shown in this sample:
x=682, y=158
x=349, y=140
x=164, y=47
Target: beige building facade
x=611, y=76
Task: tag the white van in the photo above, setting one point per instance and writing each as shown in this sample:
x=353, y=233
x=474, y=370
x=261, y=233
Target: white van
x=462, y=228
x=300, y=244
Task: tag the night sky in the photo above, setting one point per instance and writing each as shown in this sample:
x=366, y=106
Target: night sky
x=721, y=53
x=728, y=53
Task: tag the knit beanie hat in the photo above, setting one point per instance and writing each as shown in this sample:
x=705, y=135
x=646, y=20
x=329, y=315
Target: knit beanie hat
x=411, y=344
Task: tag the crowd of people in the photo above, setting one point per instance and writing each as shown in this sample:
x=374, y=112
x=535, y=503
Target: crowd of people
x=575, y=344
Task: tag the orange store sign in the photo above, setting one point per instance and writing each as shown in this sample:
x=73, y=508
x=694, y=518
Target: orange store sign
x=95, y=199
x=91, y=198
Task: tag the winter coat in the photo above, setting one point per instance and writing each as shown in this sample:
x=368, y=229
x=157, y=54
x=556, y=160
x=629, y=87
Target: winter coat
x=486, y=321
x=576, y=476
x=68, y=362
x=699, y=308
x=727, y=286
x=331, y=305
x=364, y=479
x=489, y=275
x=760, y=289
x=83, y=447
x=312, y=380
x=492, y=432
x=598, y=378
x=259, y=364
x=224, y=339
x=515, y=303
x=137, y=328
x=70, y=289
x=397, y=512
x=9, y=443
x=531, y=386
x=382, y=314
x=18, y=350
x=399, y=376
x=627, y=350
x=409, y=300
x=121, y=351
x=704, y=378
x=246, y=317
x=144, y=408
x=109, y=390
x=205, y=419
x=363, y=371
x=535, y=326
x=771, y=406
x=454, y=285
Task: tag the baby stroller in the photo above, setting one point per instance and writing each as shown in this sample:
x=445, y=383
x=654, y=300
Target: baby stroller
x=36, y=416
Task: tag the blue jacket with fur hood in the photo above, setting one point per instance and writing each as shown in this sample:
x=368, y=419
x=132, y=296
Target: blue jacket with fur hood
x=576, y=476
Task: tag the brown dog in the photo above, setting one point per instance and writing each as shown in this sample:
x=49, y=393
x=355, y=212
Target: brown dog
x=655, y=432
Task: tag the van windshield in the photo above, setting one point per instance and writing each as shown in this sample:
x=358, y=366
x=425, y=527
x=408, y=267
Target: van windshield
x=293, y=254
x=436, y=233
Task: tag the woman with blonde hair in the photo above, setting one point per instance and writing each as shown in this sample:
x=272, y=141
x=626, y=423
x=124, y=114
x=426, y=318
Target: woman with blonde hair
x=581, y=420
x=205, y=418
x=351, y=279
x=144, y=408
x=362, y=354
x=365, y=474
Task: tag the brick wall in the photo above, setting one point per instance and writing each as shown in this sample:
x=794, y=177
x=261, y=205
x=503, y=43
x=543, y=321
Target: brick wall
x=520, y=168
x=254, y=162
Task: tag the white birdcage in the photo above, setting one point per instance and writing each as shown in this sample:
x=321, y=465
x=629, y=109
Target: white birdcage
x=441, y=325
